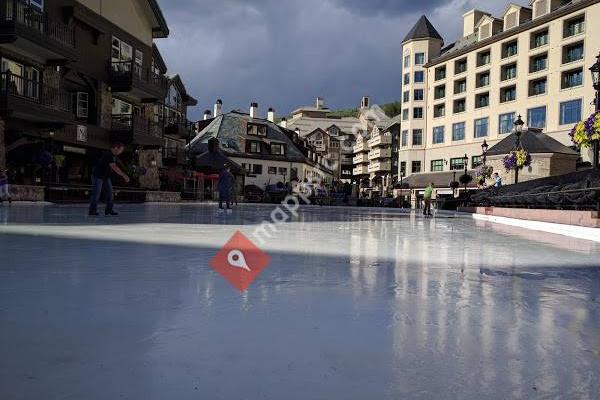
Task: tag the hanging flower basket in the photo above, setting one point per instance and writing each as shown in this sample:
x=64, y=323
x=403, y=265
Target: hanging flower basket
x=482, y=173
x=517, y=159
x=585, y=132
x=465, y=179
x=454, y=185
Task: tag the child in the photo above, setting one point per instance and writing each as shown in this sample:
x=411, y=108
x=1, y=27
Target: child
x=4, y=189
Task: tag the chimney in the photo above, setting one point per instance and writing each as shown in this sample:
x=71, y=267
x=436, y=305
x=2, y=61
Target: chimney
x=297, y=130
x=254, y=110
x=207, y=115
x=271, y=115
x=283, y=123
x=470, y=20
x=319, y=103
x=218, y=108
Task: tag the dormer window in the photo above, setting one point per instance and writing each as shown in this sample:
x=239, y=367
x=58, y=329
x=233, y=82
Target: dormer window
x=510, y=21
x=540, y=7
x=277, y=149
x=253, y=147
x=257, y=130
x=485, y=31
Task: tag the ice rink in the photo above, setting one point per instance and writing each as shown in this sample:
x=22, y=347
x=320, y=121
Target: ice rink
x=356, y=304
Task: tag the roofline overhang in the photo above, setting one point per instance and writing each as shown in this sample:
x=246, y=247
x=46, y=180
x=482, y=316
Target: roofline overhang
x=162, y=30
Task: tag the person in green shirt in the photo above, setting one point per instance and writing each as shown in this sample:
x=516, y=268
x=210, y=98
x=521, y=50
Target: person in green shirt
x=427, y=197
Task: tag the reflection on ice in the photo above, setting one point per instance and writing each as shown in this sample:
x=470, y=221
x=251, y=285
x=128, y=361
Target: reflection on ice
x=356, y=304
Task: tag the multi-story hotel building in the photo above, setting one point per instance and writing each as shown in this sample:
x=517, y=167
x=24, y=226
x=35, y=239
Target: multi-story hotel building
x=530, y=61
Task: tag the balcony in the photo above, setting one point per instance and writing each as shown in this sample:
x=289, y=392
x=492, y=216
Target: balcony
x=360, y=158
x=25, y=29
x=127, y=77
x=360, y=147
x=34, y=101
x=380, y=153
x=180, y=129
x=130, y=129
x=360, y=170
x=384, y=166
x=173, y=156
x=380, y=140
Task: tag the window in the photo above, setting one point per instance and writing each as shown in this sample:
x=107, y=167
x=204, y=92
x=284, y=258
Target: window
x=418, y=95
x=440, y=73
x=538, y=86
x=457, y=164
x=572, y=52
x=416, y=167
x=506, y=123
x=481, y=127
x=272, y=170
x=570, y=112
x=419, y=58
x=283, y=171
x=405, y=114
x=121, y=55
x=483, y=79
x=256, y=130
x=458, y=131
x=122, y=110
x=438, y=135
x=419, y=76
x=439, y=110
x=82, y=104
x=437, y=165
x=406, y=79
x=407, y=61
x=572, y=78
x=418, y=113
x=253, y=147
x=574, y=26
x=482, y=100
x=403, y=168
x=460, y=106
x=538, y=63
x=510, y=21
x=257, y=169
x=483, y=58
x=439, y=92
x=508, y=72
x=417, y=137
x=510, y=49
x=536, y=117
x=139, y=62
x=476, y=161
x=508, y=94
x=404, y=139
x=460, y=86
x=460, y=66
x=277, y=149
x=406, y=97
x=539, y=39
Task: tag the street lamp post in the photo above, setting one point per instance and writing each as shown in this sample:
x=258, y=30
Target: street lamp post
x=484, y=150
x=466, y=164
x=518, y=132
x=595, y=70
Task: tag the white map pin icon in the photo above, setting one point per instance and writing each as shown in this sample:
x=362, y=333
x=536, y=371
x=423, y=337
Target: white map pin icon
x=236, y=259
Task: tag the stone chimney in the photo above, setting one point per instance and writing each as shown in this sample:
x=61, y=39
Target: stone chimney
x=254, y=110
x=320, y=103
x=283, y=123
x=218, y=108
x=271, y=115
x=297, y=130
x=207, y=115
x=365, y=103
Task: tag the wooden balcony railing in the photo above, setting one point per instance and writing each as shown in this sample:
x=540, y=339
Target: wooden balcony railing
x=21, y=13
x=35, y=92
x=128, y=73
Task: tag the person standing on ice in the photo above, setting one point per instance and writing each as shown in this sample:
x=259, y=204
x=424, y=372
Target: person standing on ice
x=427, y=198
x=225, y=186
x=106, y=164
x=4, y=189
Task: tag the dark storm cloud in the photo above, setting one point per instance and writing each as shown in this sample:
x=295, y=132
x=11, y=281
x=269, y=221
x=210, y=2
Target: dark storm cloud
x=282, y=54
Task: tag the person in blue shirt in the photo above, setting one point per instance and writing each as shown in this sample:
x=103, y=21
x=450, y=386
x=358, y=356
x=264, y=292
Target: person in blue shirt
x=101, y=179
x=4, y=189
x=497, y=179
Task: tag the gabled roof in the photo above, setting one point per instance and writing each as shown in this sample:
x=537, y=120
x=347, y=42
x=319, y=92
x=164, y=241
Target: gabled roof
x=188, y=100
x=423, y=29
x=158, y=59
x=161, y=30
x=534, y=141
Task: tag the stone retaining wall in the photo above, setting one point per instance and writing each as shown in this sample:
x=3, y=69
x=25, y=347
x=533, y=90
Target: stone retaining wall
x=27, y=193
x=163, y=197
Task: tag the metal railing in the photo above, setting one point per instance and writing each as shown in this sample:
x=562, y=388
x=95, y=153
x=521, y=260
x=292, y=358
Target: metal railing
x=588, y=198
x=22, y=13
x=135, y=72
x=35, y=92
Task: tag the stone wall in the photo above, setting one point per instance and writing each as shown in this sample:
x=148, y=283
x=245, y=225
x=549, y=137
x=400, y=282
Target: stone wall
x=27, y=193
x=163, y=197
x=542, y=166
x=105, y=106
x=151, y=161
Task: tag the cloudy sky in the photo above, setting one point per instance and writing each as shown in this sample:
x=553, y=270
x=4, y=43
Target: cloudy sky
x=284, y=53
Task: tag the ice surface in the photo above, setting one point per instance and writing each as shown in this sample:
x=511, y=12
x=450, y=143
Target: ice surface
x=356, y=304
